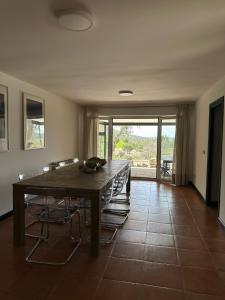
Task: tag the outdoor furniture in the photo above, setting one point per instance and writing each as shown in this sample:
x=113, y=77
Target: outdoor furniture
x=165, y=167
x=75, y=183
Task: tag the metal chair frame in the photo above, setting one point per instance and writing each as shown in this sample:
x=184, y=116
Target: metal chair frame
x=46, y=218
x=31, y=200
x=119, y=210
x=106, y=198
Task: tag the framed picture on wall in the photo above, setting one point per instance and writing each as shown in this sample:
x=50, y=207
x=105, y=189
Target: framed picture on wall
x=4, y=141
x=34, y=122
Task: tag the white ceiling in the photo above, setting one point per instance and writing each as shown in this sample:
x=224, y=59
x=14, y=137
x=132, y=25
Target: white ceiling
x=163, y=50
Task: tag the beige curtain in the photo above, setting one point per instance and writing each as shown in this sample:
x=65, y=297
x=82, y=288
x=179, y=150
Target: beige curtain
x=90, y=134
x=181, y=162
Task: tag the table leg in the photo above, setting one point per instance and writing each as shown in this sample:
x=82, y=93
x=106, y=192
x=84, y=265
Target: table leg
x=95, y=224
x=128, y=182
x=18, y=216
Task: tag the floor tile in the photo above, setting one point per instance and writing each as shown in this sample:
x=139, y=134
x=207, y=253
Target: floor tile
x=36, y=284
x=136, y=225
x=125, y=270
x=159, y=228
x=132, y=236
x=195, y=259
x=197, y=296
x=161, y=254
x=215, y=245
x=140, y=216
x=163, y=275
x=182, y=221
x=160, y=218
x=219, y=260
x=170, y=241
x=190, y=243
x=159, y=210
x=159, y=239
x=71, y=287
x=203, y=281
x=156, y=293
x=186, y=231
x=111, y=290
x=129, y=250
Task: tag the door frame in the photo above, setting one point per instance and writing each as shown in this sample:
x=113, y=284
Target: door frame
x=159, y=150
x=140, y=124
x=218, y=102
x=147, y=123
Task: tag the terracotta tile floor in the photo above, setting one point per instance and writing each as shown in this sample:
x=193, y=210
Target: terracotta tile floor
x=171, y=248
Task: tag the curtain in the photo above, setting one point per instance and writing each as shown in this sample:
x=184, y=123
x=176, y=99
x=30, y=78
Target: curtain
x=90, y=134
x=180, y=169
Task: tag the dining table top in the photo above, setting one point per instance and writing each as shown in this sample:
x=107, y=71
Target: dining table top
x=73, y=177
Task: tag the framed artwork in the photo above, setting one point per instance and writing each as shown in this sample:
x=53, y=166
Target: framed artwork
x=4, y=141
x=34, y=122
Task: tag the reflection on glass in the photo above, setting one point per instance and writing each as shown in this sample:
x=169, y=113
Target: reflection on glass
x=34, y=124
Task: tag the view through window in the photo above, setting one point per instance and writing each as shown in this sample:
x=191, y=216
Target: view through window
x=147, y=143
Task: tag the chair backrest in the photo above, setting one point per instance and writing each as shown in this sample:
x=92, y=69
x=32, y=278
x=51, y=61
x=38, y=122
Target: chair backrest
x=27, y=175
x=120, y=181
x=108, y=192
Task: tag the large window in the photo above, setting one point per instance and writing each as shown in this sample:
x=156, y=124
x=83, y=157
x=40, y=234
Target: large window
x=136, y=140
x=148, y=143
x=103, y=138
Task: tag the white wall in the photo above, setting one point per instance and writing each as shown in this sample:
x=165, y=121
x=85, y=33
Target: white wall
x=63, y=124
x=139, y=110
x=201, y=142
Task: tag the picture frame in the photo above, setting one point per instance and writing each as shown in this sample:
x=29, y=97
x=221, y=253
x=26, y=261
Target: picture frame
x=4, y=139
x=34, y=122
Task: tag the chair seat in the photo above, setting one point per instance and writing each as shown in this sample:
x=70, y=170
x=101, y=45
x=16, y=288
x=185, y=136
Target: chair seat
x=117, y=207
x=115, y=220
x=57, y=215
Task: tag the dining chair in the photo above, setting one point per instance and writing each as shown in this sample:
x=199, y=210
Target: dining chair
x=107, y=223
x=58, y=213
x=119, y=195
x=117, y=206
x=34, y=203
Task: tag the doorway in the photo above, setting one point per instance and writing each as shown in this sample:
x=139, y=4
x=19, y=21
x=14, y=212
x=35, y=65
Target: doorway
x=167, y=132
x=136, y=140
x=148, y=143
x=215, y=145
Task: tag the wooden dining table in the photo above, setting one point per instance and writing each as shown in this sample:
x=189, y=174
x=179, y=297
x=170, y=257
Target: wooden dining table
x=75, y=183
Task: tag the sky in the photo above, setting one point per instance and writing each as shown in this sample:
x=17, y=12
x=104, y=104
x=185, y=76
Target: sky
x=151, y=131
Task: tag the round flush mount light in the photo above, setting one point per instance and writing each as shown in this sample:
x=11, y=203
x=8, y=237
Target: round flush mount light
x=126, y=93
x=74, y=20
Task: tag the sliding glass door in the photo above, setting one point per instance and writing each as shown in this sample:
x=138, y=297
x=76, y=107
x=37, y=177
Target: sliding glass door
x=136, y=140
x=149, y=144
x=167, y=147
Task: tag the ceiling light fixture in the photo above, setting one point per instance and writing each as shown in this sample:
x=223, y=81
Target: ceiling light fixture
x=126, y=93
x=75, y=20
